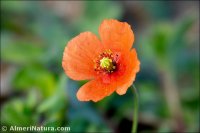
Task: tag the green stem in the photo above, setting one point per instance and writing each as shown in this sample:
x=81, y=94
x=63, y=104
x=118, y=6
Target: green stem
x=136, y=107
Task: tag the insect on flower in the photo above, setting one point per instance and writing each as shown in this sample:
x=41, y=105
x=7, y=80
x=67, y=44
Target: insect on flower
x=110, y=64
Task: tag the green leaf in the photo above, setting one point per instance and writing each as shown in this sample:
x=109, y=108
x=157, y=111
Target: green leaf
x=32, y=99
x=20, y=51
x=15, y=113
x=51, y=103
x=58, y=100
x=35, y=77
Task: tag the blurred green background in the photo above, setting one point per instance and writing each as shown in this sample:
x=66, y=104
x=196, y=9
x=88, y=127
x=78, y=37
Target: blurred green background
x=35, y=90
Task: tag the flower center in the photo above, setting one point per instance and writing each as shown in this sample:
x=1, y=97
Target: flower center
x=105, y=62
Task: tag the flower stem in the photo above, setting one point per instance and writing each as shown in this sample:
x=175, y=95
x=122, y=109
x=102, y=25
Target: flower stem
x=136, y=107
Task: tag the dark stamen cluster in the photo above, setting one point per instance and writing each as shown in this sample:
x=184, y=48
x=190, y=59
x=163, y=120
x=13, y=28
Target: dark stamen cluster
x=106, y=54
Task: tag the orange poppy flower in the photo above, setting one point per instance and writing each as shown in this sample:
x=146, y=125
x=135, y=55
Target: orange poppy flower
x=110, y=64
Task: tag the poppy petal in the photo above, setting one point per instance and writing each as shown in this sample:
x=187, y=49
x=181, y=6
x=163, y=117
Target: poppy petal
x=79, y=54
x=95, y=90
x=116, y=35
x=133, y=66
